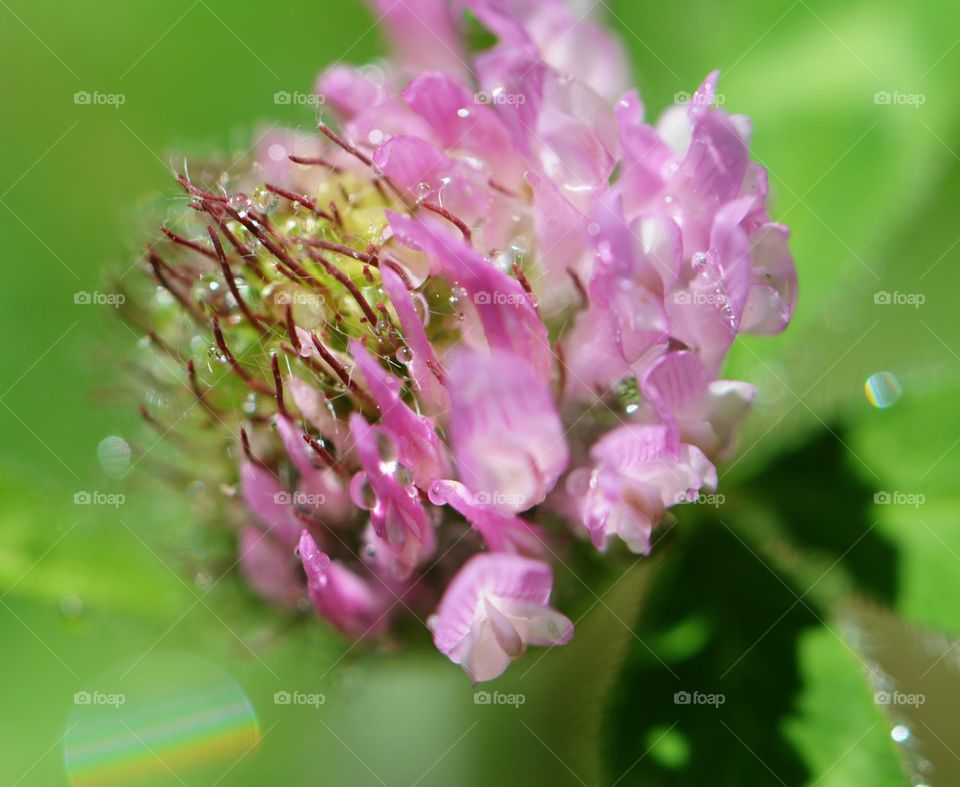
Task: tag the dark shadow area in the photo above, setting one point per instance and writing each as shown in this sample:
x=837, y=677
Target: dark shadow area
x=729, y=629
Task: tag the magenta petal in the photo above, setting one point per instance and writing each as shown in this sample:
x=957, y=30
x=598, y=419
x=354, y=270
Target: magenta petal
x=501, y=532
x=269, y=501
x=674, y=381
x=640, y=470
x=348, y=91
x=462, y=123
x=506, y=435
x=424, y=365
x=350, y=603
x=625, y=317
x=420, y=449
x=396, y=514
x=424, y=173
x=423, y=33
x=507, y=313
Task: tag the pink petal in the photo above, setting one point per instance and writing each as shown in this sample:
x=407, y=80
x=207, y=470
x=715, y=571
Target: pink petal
x=423, y=172
x=510, y=321
x=350, y=603
x=419, y=447
x=423, y=360
x=269, y=568
x=506, y=435
x=501, y=532
x=269, y=501
x=423, y=34
x=462, y=123
x=398, y=518
x=494, y=607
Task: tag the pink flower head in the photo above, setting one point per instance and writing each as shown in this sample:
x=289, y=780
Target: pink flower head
x=489, y=290
x=494, y=608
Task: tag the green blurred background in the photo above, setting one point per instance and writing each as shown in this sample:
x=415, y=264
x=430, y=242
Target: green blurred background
x=799, y=598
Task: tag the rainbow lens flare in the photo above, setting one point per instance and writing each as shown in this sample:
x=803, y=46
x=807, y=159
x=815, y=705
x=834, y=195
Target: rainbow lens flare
x=883, y=390
x=165, y=716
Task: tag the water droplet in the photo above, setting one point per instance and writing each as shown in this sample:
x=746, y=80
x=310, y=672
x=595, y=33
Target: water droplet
x=463, y=112
x=388, y=452
x=699, y=260
x=375, y=136
x=203, y=581
x=422, y=307
x=883, y=390
x=900, y=733
x=71, y=606
x=403, y=355
x=263, y=199
x=277, y=152
x=114, y=455
x=382, y=327
x=240, y=203
x=457, y=294
x=404, y=477
x=366, y=494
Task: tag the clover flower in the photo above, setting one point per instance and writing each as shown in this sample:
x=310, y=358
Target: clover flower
x=481, y=313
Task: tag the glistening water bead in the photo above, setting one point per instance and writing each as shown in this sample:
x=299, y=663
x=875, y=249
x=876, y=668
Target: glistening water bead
x=883, y=390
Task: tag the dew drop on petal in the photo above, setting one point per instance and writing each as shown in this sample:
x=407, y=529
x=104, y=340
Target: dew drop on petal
x=883, y=390
x=403, y=354
x=114, y=455
x=375, y=136
x=388, y=452
x=366, y=495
